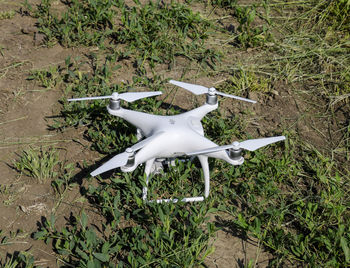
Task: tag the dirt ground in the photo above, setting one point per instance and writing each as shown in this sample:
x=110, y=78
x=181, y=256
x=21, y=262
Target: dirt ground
x=26, y=108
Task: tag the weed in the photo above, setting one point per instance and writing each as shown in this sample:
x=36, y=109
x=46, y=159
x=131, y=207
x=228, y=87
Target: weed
x=334, y=13
x=177, y=32
x=160, y=234
x=63, y=183
x=94, y=22
x=107, y=132
x=21, y=259
x=7, y=14
x=26, y=9
x=316, y=53
x=249, y=32
x=242, y=81
x=224, y=3
x=291, y=197
x=10, y=193
x=87, y=22
x=18, y=259
x=249, y=35
x=47, y=78
x=184, y=177
x=299, y=223
x=40, y=163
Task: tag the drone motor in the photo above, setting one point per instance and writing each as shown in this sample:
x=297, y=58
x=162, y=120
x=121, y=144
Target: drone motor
x=235, y=153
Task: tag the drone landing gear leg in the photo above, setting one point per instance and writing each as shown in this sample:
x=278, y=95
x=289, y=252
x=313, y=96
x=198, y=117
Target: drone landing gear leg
x=148, y=169
x=139, y=134
x=205, y=166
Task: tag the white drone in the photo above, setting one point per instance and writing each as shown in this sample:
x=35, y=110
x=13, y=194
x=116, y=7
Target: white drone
x=169, y=137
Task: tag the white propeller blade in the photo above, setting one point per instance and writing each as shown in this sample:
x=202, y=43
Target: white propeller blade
x=250, y=145
x=128, y=96
x=117, y=161
x=198, y=90
x=133, y=96
x=210, y=150
x=234, y=97
x=195, y=89
x=91, y=98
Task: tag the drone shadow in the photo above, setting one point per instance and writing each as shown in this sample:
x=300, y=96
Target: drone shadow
x=84, y=173
x=229, y=227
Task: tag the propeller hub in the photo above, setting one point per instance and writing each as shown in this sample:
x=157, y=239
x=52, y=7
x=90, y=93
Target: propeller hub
x=235, y=145
x=130, y=151
x=212, y=91
x=115, y=96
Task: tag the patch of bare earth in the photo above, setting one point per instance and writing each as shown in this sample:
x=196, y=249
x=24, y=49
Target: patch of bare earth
x=24, y=111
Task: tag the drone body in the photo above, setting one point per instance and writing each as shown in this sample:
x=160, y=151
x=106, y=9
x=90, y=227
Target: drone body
x=168, y=137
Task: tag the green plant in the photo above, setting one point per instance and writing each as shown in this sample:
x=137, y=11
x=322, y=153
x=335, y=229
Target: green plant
x=26, y=8
x=18, y=259
x=242, y=81
x=334, y=13
x=7, y=14
x=223, y=3
x=253, y=28
x=39, y=163
x=295, y=206
x=249, y=35
x=84, y=22
x=159, y=235
x=292, y=198
x=155, y=31
x=63, y=182
x=21, y=259
x=105, y=131
x=160, y=32
x=47, y=78
x=223, y=127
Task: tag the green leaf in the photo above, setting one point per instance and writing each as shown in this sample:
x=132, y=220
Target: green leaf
x=105, y=247
x=83, y=220
x=101, y=256
x=251, y=16
x=40, y=235
x=82, y=254
x=344, y=245
x=212, y=210
x=91, y=264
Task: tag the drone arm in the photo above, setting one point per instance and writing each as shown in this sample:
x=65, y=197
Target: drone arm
x=143, y=121
x=205, y=166
x=201, y=111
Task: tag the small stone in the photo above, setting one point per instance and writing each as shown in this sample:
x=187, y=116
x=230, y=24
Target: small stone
x=23, y=208
x=275, y=92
